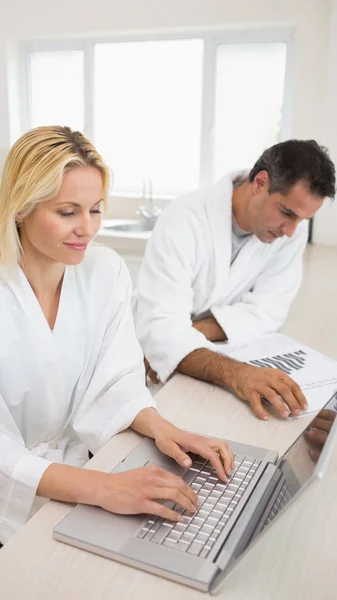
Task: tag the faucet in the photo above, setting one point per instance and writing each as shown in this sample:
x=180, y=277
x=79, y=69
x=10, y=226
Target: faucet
x=150, y=213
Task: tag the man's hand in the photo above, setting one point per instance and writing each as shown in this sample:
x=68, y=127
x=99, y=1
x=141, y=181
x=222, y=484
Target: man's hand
x=256, y=384
x=150, y=373
x=318, y=432
x=253, y=384
x=249, y=383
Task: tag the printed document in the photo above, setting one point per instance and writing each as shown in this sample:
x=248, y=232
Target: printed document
x=315, y=373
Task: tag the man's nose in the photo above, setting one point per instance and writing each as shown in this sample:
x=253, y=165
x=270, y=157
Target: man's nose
x=288, y=229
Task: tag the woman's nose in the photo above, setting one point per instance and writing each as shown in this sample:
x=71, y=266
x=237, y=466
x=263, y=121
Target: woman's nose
x=85, y=227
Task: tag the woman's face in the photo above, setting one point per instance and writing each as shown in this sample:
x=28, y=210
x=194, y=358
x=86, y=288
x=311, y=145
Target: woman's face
x=60, y=229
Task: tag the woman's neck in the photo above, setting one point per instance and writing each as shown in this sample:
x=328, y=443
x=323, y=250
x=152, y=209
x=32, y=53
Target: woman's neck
x=43, y=274
x=45, y=278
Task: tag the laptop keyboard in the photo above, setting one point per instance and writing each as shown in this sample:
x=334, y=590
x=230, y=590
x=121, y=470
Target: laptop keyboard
x=198, y=532
x=280, y=501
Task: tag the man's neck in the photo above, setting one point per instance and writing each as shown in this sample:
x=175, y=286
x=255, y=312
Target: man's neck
x=241, y=205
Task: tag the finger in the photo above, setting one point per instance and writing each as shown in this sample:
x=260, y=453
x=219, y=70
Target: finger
x=160, y=510
x=285, y=385
x=300, y=397
x=227, y=457
x=274, y=399
x=225, y=452
x=317, y=437
x=289, y=398
x=169, y=480
x=281, y=378
x=257, y=407
x=175, y=451
x=326, y=414
x=322, y=424
x=314, y=455
x=217, y=463
x=177, y=496
x=201, y=447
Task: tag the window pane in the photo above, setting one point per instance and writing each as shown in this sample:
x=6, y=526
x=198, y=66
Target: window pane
x=147, y=118
x=249, y=98
x=57, y=89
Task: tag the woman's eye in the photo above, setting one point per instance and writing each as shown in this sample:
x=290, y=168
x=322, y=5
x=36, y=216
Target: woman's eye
x=71, y=213
x=66, y=214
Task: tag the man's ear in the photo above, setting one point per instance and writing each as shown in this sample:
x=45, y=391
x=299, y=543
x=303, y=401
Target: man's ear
x=261, y=182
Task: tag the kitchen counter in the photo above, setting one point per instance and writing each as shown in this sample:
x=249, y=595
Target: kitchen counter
x=133, y=242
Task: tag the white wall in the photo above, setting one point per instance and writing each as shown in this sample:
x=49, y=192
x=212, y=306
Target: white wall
x=22, y=20
x=325, y=224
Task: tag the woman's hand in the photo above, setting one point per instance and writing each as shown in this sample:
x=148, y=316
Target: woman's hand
x=175, y=443
x=138, y=491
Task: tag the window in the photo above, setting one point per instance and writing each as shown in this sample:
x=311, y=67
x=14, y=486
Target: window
x=180, y=112
x=249, y=98
x=147, y=118
x=57, y=89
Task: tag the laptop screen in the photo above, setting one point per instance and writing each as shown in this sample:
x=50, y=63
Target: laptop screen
x=302, y=456
x=306, y=450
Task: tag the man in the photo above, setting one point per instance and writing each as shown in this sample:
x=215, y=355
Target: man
x=225, y=263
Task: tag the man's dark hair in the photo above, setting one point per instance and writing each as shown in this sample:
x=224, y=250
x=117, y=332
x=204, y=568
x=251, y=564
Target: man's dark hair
x=290, y=162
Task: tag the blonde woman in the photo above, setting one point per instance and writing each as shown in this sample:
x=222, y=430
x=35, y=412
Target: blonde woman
x=71, y=369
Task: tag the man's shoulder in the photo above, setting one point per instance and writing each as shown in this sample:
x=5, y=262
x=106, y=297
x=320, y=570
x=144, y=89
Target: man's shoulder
x=192, y=205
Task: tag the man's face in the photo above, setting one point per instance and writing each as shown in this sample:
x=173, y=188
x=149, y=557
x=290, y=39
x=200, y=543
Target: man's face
x=275, y=215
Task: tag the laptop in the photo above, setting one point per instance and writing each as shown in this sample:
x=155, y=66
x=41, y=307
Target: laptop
x=198, y=551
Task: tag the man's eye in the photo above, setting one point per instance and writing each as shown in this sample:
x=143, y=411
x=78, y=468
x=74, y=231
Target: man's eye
x=287, y=214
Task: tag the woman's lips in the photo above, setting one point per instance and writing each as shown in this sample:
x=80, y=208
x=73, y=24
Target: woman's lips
x=80, y=247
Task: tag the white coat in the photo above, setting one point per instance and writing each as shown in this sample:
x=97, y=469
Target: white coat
x=64, y=391
x=186, y=272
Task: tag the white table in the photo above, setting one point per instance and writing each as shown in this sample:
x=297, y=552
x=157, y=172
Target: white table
x=286, y=563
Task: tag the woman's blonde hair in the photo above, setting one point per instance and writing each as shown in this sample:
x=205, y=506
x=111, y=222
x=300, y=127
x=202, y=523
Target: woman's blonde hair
x=33, y=173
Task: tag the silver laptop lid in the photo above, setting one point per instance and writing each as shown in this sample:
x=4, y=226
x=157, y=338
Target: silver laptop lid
x=309, y=457
x=302, y=464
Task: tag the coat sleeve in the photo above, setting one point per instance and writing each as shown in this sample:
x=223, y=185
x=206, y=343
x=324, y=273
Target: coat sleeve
x=20, y=474
x=264, y=309
x=164, y=299
x=117, y=391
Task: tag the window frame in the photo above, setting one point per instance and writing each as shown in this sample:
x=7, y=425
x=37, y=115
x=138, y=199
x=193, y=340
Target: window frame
x=211, y=38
